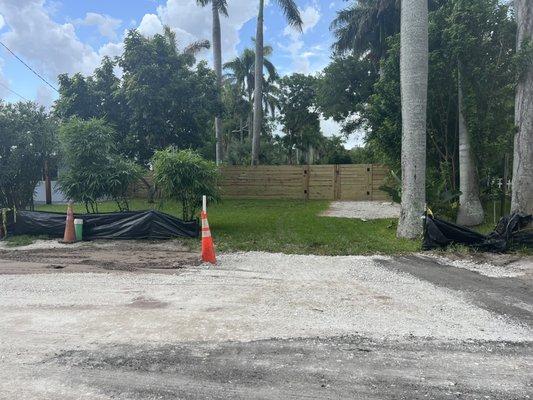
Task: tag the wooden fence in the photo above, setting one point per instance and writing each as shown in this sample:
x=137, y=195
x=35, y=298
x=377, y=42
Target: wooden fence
x=314, y=182
x=325, y=182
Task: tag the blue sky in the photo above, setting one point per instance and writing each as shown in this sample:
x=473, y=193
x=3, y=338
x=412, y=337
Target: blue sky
x=68, y=36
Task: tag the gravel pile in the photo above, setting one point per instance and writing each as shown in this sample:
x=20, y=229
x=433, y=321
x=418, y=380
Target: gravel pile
x=247, y=296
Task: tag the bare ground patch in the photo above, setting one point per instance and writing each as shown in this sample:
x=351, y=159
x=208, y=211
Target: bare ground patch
x=48, y=256
x=362, y=210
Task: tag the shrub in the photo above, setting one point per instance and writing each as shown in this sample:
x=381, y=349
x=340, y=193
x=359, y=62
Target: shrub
x=185, y=176
x=93, y=168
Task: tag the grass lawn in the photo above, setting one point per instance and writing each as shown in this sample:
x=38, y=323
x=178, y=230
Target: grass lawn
x=285, y=226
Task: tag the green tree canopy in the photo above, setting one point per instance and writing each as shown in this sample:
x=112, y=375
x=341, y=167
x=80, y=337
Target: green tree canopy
x=28, y=137
x=162, y=98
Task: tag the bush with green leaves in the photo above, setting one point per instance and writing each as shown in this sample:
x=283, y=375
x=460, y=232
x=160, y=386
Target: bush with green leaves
x=184, y=175
x=27, y=139
x=93, y=168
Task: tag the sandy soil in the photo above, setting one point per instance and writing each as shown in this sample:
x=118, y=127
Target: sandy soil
x=52, y=256
x=362, y=210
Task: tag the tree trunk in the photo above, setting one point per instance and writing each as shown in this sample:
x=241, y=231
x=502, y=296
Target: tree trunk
x=522, y=186
x=470, y=210
x=250, y=124
x=258, y=86
x=217, y=60
x=414, y=80
x=241, y=130
x=47, y=183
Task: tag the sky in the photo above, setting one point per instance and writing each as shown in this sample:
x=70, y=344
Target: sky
x=69, y=36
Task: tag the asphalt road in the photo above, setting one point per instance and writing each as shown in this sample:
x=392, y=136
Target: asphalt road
x=262, y=326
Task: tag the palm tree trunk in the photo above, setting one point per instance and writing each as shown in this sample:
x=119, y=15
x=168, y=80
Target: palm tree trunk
x=258, y=85
x=217, y=60
x=470, y=210
x=522, y=187
x=414, y=79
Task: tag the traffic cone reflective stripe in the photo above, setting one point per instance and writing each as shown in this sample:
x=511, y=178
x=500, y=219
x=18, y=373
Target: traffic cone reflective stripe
x=205, y=227
x=70, y=234
x=208, y=248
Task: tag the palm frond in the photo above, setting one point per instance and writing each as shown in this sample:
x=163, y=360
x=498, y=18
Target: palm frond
x=197, y=46
x=290, y=9
x=221, y=5
x=271, y=69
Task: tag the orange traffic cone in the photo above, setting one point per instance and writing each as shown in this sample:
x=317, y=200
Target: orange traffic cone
x=70, y=234
x=208, y=248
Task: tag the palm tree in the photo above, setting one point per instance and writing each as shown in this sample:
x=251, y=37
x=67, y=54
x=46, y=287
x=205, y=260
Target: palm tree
x=522, y=188
x=242, y=74
x=470, y=211
x=293, y=17
x=414, y=83
x=364, y=26
x=217, y=6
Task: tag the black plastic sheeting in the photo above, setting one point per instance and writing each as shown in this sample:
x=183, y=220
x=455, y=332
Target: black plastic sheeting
x=119, y=225
x=511, y=231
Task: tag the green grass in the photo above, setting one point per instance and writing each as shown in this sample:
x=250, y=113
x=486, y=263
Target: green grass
x=285, y=226
x=288, y=226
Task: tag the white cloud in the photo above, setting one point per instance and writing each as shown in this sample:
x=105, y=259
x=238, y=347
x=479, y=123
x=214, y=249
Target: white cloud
x=51, y=47
x=310, y=17
x=150, y=25
x=111, y=50
x=331, y=128
x=107, y=26
x=193, y=23
x=2, y=21
x=4, y=84
x=300, y=60
x=45, y=96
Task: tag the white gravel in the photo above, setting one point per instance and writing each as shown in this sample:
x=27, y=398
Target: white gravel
x=363, y=210
x=41, y=245
x=50, y=244
x=513, y=269
x=247, y=296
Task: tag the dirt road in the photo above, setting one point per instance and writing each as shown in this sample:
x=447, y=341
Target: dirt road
x=107, y=322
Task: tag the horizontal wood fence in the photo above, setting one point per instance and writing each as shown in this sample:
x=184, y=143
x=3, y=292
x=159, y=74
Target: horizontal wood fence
x=307, y=182
x=324, y=182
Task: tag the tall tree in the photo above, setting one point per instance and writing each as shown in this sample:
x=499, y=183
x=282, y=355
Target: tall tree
x=414, y=83
x=217, y=7
x=293, y=17
x=171, y=98
x=28, y=140
x=522, y=190
x=363, y=27
x=241, y=74
x=299, y=116
x=470, y=210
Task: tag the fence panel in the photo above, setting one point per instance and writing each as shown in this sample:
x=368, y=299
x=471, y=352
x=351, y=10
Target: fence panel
x=264, y=182
x=316, y=182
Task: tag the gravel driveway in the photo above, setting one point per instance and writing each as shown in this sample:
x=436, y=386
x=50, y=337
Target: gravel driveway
x=363, y=209
x=262, y=326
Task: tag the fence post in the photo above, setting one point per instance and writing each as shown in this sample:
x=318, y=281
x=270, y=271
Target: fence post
x=306, y=174
x=370, y=181
x=336, y=182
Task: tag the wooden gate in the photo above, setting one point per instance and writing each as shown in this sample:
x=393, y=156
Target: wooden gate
x=316, y=182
